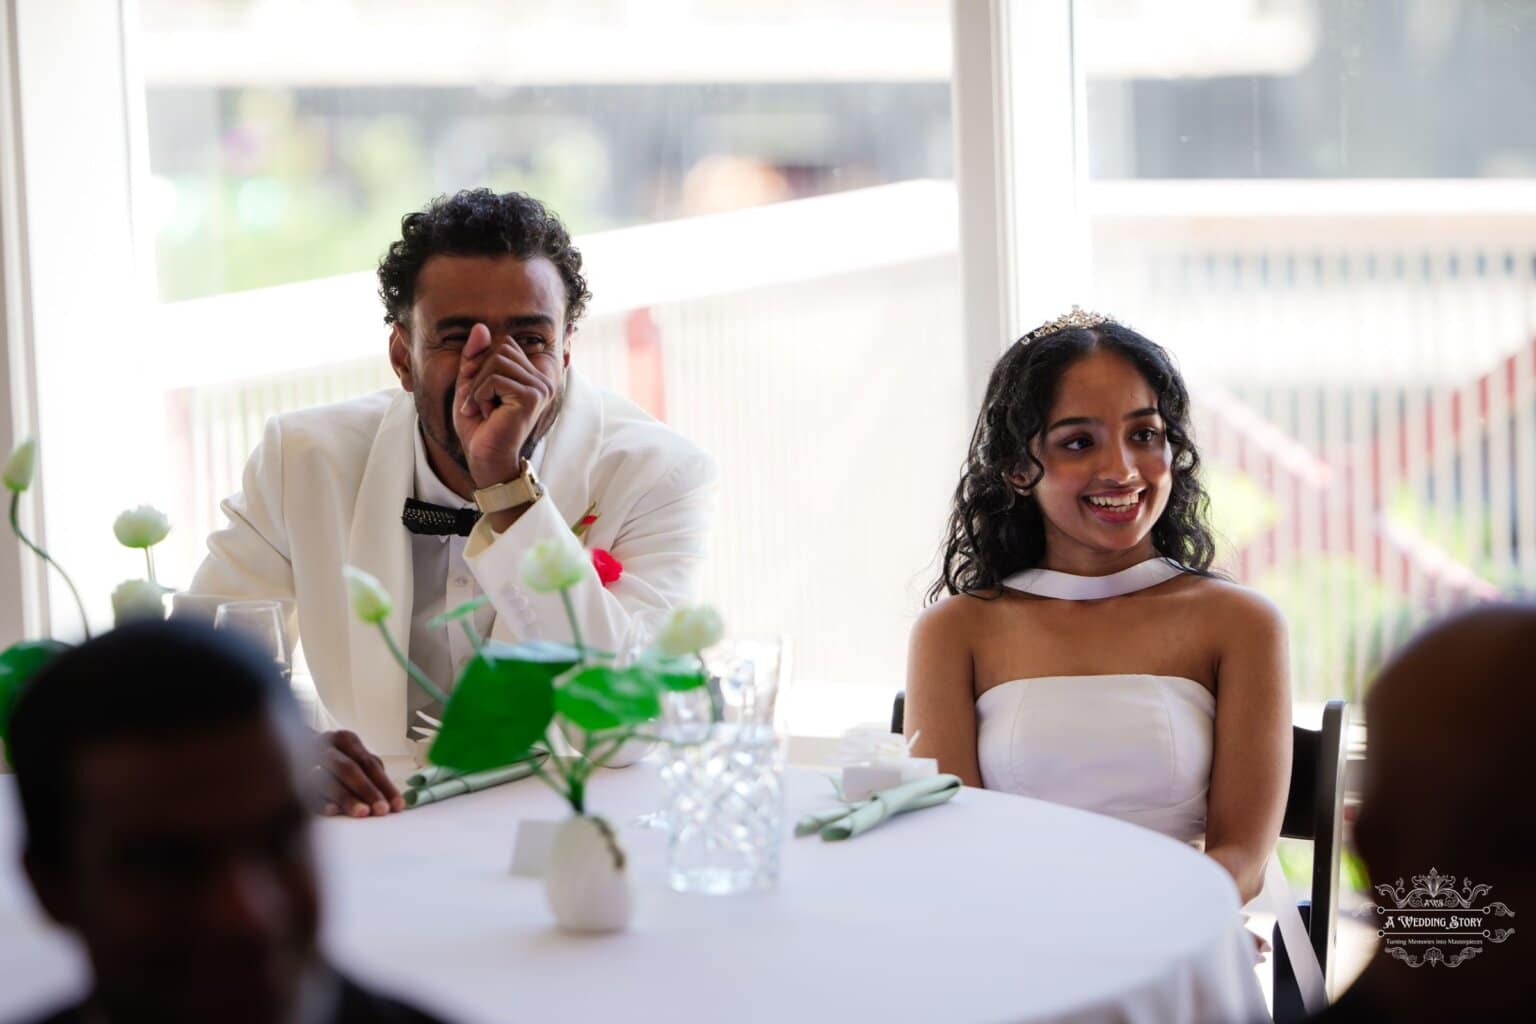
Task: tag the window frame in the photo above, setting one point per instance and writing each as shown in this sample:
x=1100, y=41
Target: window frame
x=68, y=122
x=1016, y=99
x=22, y=612
x=1020, y=172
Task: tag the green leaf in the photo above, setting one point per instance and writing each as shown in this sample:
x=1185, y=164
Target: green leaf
x=18, y=664
x=545, y=650
x=541, y=651
x=676, y=674
x=500, y=707
x=598, y=697
x=679, y=682
x=460, y=611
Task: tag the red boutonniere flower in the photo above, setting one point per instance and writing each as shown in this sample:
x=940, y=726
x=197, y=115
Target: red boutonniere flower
x=609, y=569
x=587, y=519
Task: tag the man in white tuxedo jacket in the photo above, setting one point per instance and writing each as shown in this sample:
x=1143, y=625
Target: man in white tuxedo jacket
x=498, y=444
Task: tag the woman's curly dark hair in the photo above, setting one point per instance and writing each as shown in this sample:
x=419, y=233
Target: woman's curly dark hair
x=478, y=222
x=994, y=531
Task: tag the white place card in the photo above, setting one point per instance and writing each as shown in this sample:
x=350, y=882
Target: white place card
x=532, y=847
x=861, y=781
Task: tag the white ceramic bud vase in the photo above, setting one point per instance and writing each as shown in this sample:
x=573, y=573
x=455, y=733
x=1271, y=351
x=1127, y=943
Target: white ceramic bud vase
x=587, y=880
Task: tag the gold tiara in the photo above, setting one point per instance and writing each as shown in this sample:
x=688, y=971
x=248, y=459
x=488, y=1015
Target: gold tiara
x=1077, y=317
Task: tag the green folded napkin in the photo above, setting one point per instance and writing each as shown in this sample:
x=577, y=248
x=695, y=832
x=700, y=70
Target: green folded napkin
x=434, y=783
x=850, y=820
x=430, y=775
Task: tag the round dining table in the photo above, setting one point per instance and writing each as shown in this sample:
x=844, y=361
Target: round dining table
x=988, y=908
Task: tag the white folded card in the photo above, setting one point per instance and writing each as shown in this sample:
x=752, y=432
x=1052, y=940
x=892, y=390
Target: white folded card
x=861, y=781
x=533, y=845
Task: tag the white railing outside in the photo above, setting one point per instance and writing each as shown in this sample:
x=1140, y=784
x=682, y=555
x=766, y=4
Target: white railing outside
x=1364, y=374
x=1364, y=356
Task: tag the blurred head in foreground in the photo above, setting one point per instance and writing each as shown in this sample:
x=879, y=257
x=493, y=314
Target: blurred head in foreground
x=1447, y=787
x=1451, y=722
x=164, y=823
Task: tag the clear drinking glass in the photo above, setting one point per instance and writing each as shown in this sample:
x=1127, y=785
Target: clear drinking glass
x=725, y=821
x=745, y=672
x=261, y=624
x=724, y=772
x=639, y=633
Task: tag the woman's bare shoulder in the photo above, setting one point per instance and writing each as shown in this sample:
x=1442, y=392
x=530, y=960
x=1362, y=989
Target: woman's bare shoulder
x=953, y=611
x=953, y=618
x=942, y=650
x=1240, y=612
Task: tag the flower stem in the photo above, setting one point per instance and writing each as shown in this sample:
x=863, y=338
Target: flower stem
x=582, y=769
x=548, y=779
x=85, y=623
x=570, y=791
x=603, y=756
x=149, y=563
x=570, y=613
x=411, y=669
x=716, y=713
x=475, y=639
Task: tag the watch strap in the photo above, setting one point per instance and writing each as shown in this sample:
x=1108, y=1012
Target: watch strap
x=524, y=489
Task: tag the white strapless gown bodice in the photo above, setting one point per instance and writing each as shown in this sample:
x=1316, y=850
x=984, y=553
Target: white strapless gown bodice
x=1135, y=747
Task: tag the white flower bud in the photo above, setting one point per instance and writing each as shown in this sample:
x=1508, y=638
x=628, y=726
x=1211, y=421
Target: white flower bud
x=555, y=564
x=689, y=631
x=20, y=466
x=141, y=527
x=370, y=601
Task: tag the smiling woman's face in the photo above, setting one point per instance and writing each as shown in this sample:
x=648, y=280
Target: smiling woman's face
x=1108, y=467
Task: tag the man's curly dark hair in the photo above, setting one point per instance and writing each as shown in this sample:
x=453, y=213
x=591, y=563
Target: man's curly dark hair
x=479, y=222
x=993, y=530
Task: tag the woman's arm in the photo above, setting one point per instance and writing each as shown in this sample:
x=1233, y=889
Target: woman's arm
x=1251, y=766
x=941, y=702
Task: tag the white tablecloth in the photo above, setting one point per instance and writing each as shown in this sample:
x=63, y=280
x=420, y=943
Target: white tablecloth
x=989, y=908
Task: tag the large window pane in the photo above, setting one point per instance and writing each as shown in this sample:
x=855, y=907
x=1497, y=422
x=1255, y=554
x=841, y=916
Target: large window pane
x=763, y=192
x=277, y=156
x=1328, y=212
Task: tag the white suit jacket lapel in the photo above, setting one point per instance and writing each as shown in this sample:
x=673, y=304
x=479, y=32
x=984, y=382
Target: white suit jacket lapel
x=570, y=453
x=380, y=545
x=570, y=457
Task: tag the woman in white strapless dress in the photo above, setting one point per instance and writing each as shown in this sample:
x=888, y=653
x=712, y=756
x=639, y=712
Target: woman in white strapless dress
x=1077, y=648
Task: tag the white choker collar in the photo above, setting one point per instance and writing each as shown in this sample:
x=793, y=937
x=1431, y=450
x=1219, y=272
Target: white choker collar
x=1067, y=587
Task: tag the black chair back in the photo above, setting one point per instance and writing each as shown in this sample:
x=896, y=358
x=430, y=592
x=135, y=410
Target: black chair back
x=1314, y=810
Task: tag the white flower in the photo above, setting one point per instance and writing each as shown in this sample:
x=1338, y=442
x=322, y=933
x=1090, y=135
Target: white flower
x=689, y=631
x=369, y=598
x=555, y=564
x=20, y=466
x=141, y=527
x=866, y=744
x=137, y=599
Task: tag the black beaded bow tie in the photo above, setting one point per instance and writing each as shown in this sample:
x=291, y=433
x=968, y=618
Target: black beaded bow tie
x=437, y=521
